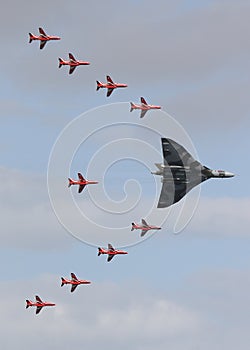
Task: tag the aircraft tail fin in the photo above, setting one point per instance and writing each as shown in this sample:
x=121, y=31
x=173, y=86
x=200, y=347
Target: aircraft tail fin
x=28, y=303
x=70, y=182
x=31, y=37
x=60, y=62
x=132, y=106
x=63, y=281
x=132, y=228
x=97, y=85
x=99, y=251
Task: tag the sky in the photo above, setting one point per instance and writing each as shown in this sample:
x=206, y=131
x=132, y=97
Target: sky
x=185, y=286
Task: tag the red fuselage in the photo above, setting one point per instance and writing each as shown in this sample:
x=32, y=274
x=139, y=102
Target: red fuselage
x=111, y=85
x=39, y=304
x=74, y=63
x=75, y=282
x=111, y=252
x=145, y=228
x=44, y=38
x=82, y=182
x=144, y=107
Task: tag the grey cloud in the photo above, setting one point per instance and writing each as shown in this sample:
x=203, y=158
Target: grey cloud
x=27, y=219
x=230, y=217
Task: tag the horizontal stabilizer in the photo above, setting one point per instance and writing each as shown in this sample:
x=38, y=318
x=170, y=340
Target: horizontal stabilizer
x=31, y=37
x=158, y=165
x=60, y=62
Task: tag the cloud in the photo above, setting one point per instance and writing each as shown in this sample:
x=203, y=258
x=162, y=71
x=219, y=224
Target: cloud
x=142, y=318
x=27, y=219
x=187, y=45
x=209, y=309
x=218, y=217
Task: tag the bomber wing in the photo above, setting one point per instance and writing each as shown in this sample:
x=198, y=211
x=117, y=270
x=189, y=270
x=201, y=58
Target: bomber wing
x=181, y=173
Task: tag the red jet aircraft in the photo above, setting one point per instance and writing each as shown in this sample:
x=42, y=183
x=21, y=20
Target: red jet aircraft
x=143, y=106
x=110, y=251
x=81, y=182
x=73, y=63
x=144, y=227
x=110, y=85
x=43, y=37
x=38, y=303
x=74, y=282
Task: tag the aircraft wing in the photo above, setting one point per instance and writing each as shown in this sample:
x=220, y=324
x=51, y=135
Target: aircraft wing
x=71, y=57
x=109, y=80
x=80, y=177
x=175, y=154
x=109, y=92
x=73, y=287
x=181, y=174
x=143, y=101
x=143, y=232
x=73, y=276
x=71, y=69
x=110, y=257
x=143, y=112
x=81, y=187
x=38, y=299
x=42, y=32
x=110, y=247
x=144, y=222
x=38, y=309
x=42, y=44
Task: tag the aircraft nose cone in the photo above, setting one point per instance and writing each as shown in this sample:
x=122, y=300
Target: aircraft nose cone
x=228, y=174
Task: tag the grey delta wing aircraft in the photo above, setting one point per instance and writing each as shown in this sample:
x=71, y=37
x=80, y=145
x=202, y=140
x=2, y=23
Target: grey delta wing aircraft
x=180, y=173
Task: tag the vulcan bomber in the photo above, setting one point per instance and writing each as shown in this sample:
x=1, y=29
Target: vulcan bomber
x=180, y=173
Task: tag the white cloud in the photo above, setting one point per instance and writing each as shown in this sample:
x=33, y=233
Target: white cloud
x=97, y=315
